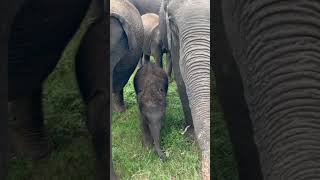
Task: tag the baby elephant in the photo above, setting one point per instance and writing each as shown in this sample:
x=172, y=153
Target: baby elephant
x=151, y=86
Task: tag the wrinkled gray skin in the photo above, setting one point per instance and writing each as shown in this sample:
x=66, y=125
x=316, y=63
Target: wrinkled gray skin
x=147, y=6
x=188, y=33
x=268, y=81
x=151, y=86
x=126, y=40
x=152, y=45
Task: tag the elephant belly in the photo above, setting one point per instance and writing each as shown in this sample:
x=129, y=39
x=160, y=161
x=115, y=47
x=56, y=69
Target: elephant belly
x=123, y=70
x=39, y=34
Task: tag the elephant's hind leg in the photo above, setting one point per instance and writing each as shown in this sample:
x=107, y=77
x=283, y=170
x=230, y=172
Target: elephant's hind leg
x=28, y=133
x=93, y=77
x=169, y=65
x=118, y=101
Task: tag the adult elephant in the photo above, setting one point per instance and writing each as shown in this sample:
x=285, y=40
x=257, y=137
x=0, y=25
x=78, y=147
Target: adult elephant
x=268, y=80
x=187, y=25
x=37, y=37
x=147, y=6
x=126, y=40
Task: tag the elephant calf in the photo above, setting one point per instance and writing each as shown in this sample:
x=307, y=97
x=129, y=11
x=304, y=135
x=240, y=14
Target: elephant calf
x=151, y=86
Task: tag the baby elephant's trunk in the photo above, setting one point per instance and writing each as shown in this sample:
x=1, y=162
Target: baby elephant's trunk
x=155, y=126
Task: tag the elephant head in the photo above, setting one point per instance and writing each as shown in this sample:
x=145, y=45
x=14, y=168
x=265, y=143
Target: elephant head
x=275, y=46
x=187, y=26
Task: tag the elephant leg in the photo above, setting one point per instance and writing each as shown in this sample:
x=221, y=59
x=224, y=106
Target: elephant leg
x=154, y=128
x=140, y=62
x=28, y=132
x=147, y=139
x=183, y=98
x=236, y=114
x=8, y=11
x=97, y=126
x=146, y=58
x=169, y=65
x=158, y=58
x=93, y=77
x=240, y=128
x=118, y=101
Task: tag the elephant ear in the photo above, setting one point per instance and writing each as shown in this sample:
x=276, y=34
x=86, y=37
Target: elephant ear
x=131, y=37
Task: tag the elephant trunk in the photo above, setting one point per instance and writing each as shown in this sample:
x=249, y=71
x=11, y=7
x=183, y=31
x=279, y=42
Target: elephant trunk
x=280, y=68
x=194, y=63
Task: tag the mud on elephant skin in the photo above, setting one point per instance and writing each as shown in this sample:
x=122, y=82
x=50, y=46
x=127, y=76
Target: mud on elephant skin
x=269, y=52
x=187, y=28
x=38, y=35
x=151, y=86
x=126, y=40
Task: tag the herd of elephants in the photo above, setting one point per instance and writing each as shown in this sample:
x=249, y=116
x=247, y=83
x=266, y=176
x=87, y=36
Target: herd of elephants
x=265, y=58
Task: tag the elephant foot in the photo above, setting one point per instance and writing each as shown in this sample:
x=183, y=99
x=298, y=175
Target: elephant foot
x=31, y=144
x=205, y=167
x=161, y=155
x=147, y=142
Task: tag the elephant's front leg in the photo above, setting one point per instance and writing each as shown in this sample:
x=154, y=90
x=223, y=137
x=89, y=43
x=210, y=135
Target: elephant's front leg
x=183, y=98
x=93, y=76
x=157, y=54
x=146, y=58
x=27, y=129
x=118, y=101
x=169, y=65
x=98, y=112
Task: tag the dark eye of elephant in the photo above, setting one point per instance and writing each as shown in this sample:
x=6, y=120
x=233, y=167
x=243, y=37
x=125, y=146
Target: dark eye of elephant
x=161, y=90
